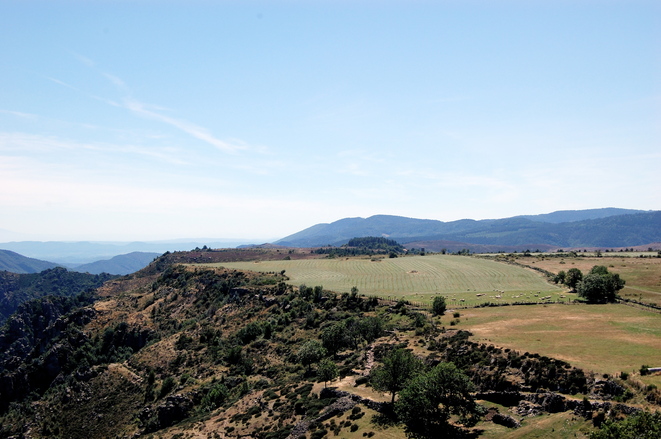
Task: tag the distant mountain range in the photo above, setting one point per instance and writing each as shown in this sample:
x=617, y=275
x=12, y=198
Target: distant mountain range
x=12, y=261
x=121, y=264
x=602, y=228
x=83, y=252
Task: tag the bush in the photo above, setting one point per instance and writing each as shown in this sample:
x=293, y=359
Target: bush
x=167, y=387
x=216, y=396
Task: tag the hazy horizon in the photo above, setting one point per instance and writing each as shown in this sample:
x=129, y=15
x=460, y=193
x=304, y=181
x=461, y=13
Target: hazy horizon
x=248, y=120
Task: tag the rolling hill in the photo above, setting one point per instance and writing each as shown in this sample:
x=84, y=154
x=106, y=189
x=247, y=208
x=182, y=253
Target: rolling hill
x=121, y=264
x=602, y=228
x=11, y=261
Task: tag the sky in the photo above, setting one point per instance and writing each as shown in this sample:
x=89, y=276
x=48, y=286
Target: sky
x=144, y=120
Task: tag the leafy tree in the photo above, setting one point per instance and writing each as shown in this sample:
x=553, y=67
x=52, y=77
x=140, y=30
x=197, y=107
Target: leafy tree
x=216, y=396
x=311, y=352
x=371, y=328
x=427, y=402
x=334, y=337
x=642, y=425
x=560, y=277
x=600, y=286
x=397, y=370
x=573, y=277
x=327, y=370
x=438, y=306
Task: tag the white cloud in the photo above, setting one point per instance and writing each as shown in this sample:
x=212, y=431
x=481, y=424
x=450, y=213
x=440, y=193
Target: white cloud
x=19, y=114
x=189, y=128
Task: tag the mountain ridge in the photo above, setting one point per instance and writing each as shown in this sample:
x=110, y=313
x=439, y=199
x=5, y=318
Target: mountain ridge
x=608, y=227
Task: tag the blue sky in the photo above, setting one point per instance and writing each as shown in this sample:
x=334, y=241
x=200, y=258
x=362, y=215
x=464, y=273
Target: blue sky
x=136, y=120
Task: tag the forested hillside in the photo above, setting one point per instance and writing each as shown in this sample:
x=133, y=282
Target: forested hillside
x=615, y=230
x=16, y=289
x=11, y=261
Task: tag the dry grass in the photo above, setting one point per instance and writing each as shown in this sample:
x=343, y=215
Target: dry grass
x=601, y=338
x=643, y=275
x=468, y=281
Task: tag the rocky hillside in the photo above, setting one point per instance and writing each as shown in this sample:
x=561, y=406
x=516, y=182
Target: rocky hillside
x=179, y=351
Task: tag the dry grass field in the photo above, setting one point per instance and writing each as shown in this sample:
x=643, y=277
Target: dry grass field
x=601, y=338
x=642, y=275
x=465, y=281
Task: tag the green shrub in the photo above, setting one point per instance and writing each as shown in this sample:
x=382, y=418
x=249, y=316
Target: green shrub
x=167, y=386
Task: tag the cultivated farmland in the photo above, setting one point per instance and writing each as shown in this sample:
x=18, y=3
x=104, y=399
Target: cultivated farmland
x=463, y=280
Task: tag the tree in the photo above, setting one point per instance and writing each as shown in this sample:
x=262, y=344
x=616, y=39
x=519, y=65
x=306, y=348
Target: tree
x=327, y=370
x=311, y=352
x=398, y=367
x=216, y=396
x=334, y=337
x=573, y=277
x=642, y=425
x=438, y=306
x=560, y=277
x=427, y=402
x=599, y=285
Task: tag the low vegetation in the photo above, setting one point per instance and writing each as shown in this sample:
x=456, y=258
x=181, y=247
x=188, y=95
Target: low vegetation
x=188, y=350
x=462, y=280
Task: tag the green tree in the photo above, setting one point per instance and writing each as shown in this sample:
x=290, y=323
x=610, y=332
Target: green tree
x=311, y=352
x=327, y=370
x=599, y=285
x=371, y=328
x=642, y=425
x=438, y=306
x=398, y=367
x=167, y=386
x=427, y=402
x=573, y=277
x=560, y=277
x=334, y=337
x=215, y=397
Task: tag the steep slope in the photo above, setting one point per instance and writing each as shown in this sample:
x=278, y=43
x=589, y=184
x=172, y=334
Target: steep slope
x=121, y=264
x=11, y=261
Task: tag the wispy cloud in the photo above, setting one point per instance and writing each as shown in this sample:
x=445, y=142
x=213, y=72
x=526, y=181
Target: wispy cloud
x=189, y=128
x=153, y=112
x=62, y=83
x=29, y=144
x=19, y=114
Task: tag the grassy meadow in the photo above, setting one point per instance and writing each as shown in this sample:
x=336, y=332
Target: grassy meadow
x=642, y=275
x=602, y=338
x=463, y=280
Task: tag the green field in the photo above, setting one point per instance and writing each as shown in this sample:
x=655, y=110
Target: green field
x=463, y=280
